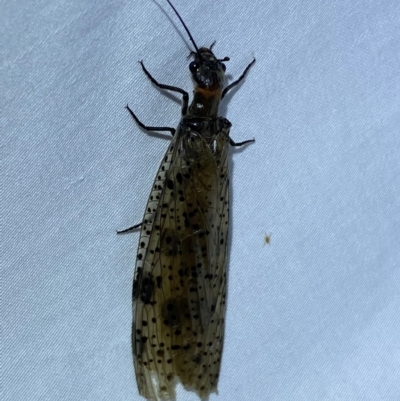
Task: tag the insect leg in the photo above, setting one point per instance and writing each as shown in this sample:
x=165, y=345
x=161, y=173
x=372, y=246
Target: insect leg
x=127, y=230
x=147, y=128
x=234, y=83
x=185, y=95
x=233, y=143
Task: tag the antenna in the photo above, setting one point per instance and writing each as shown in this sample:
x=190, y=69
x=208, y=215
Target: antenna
x=186, y=28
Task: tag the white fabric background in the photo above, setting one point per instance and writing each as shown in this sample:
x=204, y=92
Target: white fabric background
x=312, y=316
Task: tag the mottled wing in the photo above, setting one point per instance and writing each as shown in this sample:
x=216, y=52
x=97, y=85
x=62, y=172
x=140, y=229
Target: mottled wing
x=180, y=278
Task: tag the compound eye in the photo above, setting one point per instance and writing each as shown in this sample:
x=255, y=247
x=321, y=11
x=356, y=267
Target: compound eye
x=223, y=66
x=193, y=66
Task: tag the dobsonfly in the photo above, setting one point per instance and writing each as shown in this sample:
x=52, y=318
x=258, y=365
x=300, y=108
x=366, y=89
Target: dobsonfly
x=180, y=276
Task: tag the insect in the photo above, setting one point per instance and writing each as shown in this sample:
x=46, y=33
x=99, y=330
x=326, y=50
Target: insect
x=180, y=276
x=267, y=239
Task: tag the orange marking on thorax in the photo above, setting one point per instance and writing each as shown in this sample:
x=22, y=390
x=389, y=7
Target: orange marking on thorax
x=208, y=93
